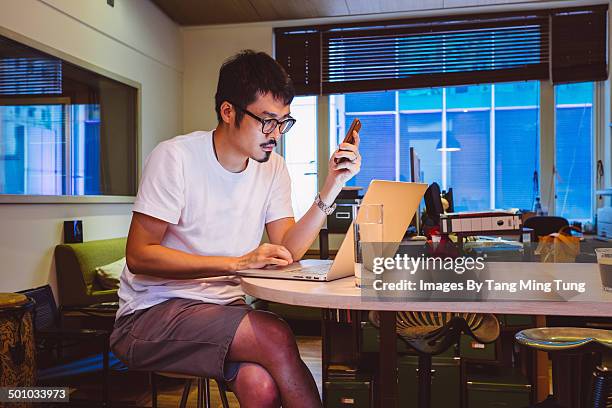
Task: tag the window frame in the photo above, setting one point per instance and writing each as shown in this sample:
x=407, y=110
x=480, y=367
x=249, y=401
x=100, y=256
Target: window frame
x=79, y=199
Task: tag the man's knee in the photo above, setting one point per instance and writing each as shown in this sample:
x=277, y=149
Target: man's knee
x=278, y=334
x=256, y=386
x=264, y=338
x=266, y=392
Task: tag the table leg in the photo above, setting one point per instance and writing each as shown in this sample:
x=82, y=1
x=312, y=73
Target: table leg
x=387, y=386
x=542, y=383
x=424, y=382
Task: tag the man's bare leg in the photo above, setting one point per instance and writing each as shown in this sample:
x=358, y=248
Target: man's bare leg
x=265, y=339
x=255, y=388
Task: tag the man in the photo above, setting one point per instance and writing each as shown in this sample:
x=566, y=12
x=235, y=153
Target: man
x=203, y=202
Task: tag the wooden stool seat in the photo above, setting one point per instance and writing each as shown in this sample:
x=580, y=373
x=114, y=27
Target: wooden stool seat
x=177, y=375
x=563, y=338
x=578, y=381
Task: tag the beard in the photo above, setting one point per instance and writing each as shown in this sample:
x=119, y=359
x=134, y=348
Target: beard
x=267, y=155
x=264, y=159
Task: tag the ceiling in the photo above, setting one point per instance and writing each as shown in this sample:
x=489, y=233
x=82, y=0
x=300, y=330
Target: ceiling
x=204, y=12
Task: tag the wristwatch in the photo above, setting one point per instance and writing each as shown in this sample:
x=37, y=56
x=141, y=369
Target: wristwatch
x=327, y=210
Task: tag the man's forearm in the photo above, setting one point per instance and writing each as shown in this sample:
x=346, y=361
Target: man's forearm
x=163, y=262
x=301, y=235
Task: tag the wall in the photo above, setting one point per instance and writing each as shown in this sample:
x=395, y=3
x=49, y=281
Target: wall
x=133, y=40
x=205, y=49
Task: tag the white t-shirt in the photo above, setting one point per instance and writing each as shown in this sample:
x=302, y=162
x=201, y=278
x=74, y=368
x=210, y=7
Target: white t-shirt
x=210, y=212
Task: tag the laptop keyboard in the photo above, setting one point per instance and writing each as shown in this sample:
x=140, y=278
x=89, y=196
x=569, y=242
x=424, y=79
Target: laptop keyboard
x=319, y=270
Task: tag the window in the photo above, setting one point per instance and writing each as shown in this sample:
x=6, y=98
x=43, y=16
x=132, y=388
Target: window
x=481, y=140
x=574, y=150
x=468, y=122
x=517, y=149
x=64, y=130
x=300, y=145
x=378, y=142
x=495, y=126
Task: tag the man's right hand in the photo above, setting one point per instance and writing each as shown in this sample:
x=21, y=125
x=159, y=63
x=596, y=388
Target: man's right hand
x=265, y=254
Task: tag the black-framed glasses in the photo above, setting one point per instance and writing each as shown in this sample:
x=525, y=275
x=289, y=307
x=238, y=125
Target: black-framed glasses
x=268, y=125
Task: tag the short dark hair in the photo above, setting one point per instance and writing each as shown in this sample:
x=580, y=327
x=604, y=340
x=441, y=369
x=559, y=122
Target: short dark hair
x=248, y=74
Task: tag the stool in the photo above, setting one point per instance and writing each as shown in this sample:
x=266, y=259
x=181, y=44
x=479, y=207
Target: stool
x=17, y=349
x=575, y=353
x=431, y=333
x=203, y=389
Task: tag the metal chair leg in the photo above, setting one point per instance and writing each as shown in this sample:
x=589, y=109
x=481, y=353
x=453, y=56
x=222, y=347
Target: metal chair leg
x=153, y=379
x=602, y=388
x=203, y=392
x=203, y=397
x=185, y=395
x=206, y=393
x=105, y=372
x=200, y=403
x=222, y=393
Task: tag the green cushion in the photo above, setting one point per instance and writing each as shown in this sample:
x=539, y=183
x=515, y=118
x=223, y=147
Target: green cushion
x=104, y=292
x=108, y=275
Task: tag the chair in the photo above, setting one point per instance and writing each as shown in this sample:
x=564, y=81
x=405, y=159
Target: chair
x=203, y=389
x=431, y=333
x=574, y=354
x=48, y=333
x=545, y=225
x=433, y=205
x=76, y=277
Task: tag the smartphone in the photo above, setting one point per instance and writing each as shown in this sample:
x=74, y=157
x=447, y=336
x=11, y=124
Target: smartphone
x=349, y=138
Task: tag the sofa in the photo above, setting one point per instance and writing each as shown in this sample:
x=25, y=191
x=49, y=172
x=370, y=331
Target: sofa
x=76, y=276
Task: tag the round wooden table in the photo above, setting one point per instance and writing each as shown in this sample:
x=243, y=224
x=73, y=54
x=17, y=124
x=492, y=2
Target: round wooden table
x=342, y=294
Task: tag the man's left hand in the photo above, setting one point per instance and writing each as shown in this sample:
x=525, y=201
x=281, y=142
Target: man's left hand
x=341, y=171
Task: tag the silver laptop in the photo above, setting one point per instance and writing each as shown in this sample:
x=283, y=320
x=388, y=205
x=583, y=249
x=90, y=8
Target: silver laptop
x=400, y=201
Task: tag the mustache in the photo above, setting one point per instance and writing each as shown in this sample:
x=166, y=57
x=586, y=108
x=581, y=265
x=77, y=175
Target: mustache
x=268, y=143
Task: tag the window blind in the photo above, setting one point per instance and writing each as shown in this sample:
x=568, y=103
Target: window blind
x=30, y=76
x=26, y=71
x=458, y=50
x=579, y=46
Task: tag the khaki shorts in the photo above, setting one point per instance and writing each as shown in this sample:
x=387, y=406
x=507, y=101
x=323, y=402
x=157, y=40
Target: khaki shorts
x=180, y=335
